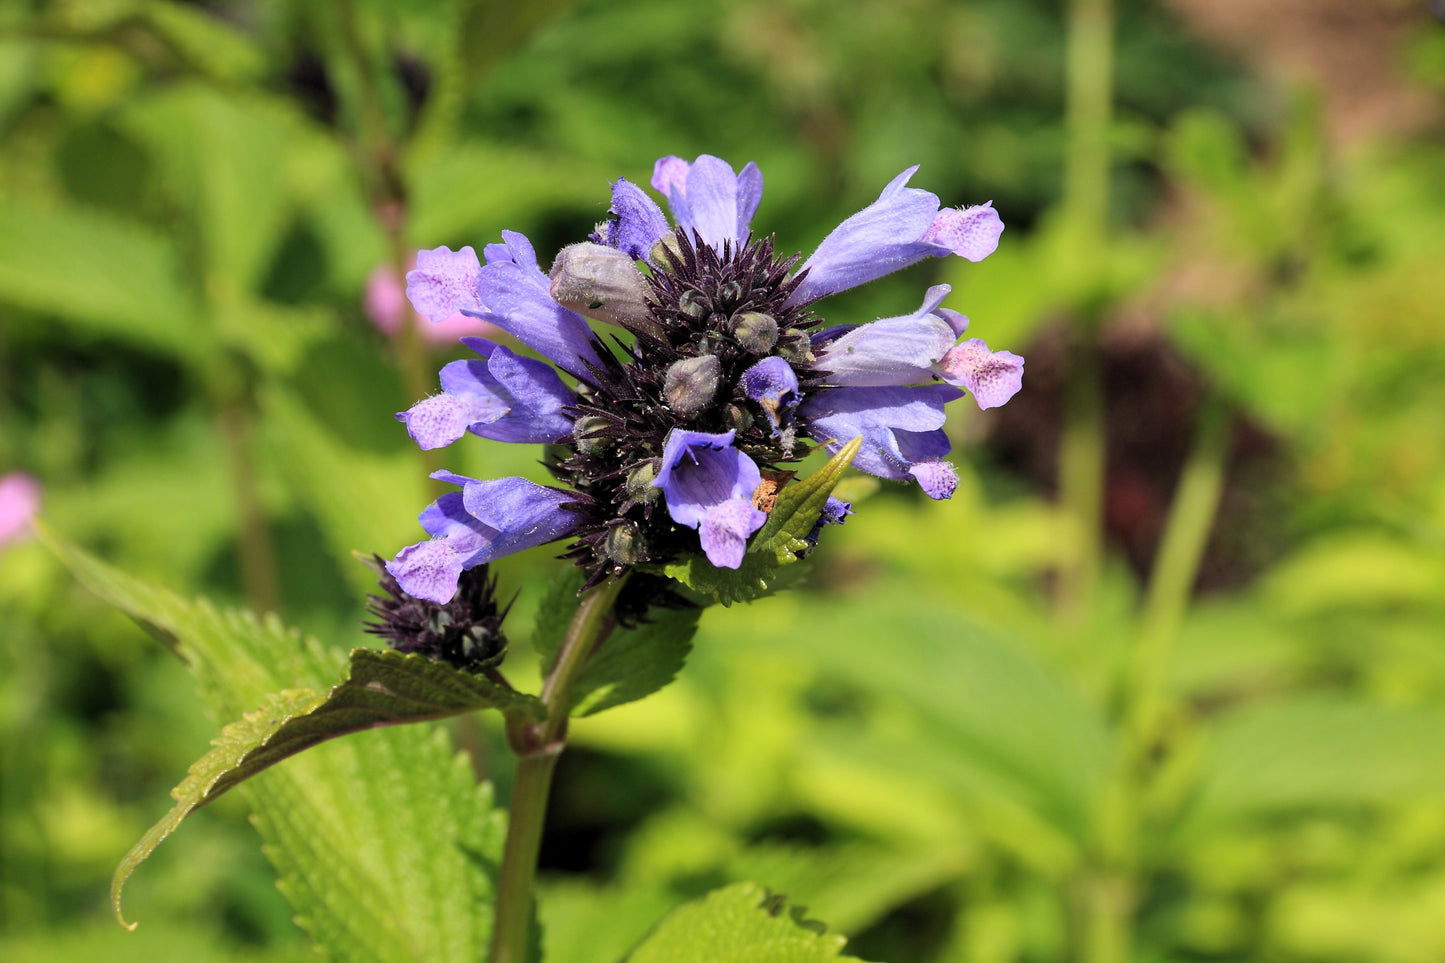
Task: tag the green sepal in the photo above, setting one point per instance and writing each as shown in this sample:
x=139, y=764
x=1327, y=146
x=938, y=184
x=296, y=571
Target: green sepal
x=382, y=688
x=775, y=545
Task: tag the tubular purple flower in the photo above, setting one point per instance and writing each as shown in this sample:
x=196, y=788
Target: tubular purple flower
x=709, y=198
x=708, y=485
x=726, y=336
x=901, y=228
x=507, y=397
x=901, y=427
x=890, y=351
x=483, y=522
x=637, y=222
x=444, y=282
x=518, y=300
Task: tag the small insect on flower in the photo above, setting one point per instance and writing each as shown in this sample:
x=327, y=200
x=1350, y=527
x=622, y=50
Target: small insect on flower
x=674, y=439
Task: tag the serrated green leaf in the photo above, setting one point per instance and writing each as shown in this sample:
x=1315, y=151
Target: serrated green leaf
x=237, y=742
x=636, y=662
x=774, y=545
x=386, y=845
x=383, y=688
x=743, y=923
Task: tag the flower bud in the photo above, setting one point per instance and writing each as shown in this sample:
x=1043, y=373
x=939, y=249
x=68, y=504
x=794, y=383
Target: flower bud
x=584, y=431
x=755, y=331
x=658, y=254
x=639, y=483
x=797, y=349
x=624, y=544
x=738, y=417
x=692, y=384
x=693, y=304
x=730, y=292
x=603, y=283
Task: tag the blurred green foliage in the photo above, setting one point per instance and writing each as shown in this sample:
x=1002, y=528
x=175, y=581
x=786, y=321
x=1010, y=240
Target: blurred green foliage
x=1195, y=713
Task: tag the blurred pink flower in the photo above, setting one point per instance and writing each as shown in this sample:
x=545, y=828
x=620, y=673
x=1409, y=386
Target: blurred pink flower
x=385, y=304
x=19, y=503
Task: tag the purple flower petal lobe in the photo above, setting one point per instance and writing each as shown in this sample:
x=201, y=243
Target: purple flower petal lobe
x=970, y=232
x=637, y=222
x=518, y=300
x=444, y=282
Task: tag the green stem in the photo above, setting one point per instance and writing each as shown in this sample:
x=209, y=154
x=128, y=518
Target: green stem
x=257, y=553
x=1081, y=483
x=1176, y=568
x=538, y=747
x=1090, y=108
x=1089, y=95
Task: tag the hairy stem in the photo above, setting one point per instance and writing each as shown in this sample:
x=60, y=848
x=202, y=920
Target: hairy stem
x=537, y=747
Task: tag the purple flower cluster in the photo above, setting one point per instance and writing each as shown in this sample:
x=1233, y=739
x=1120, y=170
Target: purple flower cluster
x=730, y=373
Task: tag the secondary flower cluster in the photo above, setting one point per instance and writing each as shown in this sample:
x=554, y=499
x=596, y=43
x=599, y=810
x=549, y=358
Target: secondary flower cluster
x=674, y=440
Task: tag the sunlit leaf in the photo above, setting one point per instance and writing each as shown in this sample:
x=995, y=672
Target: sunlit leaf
x=743, y=923
x=383, y=688
x=132, y=286
x=1306, y=753
x=386, y=845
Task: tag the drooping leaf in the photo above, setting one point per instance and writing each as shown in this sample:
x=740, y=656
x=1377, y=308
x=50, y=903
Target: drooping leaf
x=743, y=923
x=202, y=783
x=776, y=544
x=383, y=688
x=386, y=845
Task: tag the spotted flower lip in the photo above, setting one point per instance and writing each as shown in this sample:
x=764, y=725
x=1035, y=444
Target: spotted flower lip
x=721, y=373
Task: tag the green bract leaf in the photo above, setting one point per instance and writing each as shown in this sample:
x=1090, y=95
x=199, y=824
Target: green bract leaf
x=384, y=688
x=633, y=663
x=630, y=663
x=776, y=544
x=386, y=845
x=743, y=923
x=554, y=614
